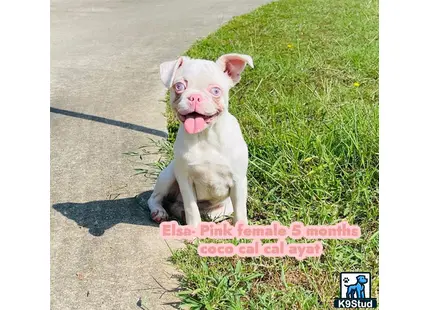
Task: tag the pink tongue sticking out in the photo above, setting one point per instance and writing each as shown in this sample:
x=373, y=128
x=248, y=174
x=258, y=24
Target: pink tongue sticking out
x=194, y=124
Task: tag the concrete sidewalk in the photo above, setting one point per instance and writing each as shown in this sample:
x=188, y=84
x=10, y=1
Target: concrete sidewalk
x=107, y=99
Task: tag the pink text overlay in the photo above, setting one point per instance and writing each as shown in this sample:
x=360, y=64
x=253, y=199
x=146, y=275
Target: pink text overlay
x=256, y=248
x=224, y=230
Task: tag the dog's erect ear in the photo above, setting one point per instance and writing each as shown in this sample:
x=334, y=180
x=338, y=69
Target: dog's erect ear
x=234, y=64
x=168, y=70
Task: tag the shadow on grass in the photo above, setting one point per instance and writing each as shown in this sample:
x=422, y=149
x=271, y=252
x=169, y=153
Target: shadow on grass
x=99, y=216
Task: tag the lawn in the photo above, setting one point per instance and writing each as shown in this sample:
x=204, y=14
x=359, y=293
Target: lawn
x=309, y=113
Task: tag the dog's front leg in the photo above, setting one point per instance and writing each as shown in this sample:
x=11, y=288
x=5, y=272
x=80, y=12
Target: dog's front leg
x=192, y=213
x=238, y=195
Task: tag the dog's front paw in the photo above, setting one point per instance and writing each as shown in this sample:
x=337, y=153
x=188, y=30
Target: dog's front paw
x=159, y=215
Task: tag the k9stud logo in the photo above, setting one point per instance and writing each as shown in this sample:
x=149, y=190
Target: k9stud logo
x=355, y=291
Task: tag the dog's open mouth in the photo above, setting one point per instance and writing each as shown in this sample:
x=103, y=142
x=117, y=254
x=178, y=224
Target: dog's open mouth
x=194, y=115
x=195, y=122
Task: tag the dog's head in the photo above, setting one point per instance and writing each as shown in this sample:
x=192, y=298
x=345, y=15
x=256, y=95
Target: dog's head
x=199, y=88
x=361, y=279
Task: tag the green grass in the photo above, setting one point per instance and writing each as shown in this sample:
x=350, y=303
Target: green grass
x=312, y=134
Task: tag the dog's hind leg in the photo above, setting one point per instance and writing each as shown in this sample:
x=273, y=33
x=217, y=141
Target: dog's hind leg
x=349, y=292
x=164, y=183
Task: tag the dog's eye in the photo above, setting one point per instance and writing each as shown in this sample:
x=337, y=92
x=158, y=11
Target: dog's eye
x=216, y=91
x=179, y=87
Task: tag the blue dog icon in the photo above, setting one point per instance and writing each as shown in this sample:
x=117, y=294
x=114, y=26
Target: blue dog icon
x=357, y=288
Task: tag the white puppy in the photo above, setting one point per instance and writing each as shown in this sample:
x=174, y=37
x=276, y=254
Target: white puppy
x=208, y=172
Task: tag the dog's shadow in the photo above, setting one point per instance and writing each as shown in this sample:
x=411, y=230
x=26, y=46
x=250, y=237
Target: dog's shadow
x=99, y=216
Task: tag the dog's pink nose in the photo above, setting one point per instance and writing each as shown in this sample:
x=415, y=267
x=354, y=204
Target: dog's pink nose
x=194, y=101
x=195, y=98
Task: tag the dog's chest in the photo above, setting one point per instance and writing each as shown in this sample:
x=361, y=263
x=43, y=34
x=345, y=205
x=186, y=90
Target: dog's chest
x=211, y=181
x=210, y=171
